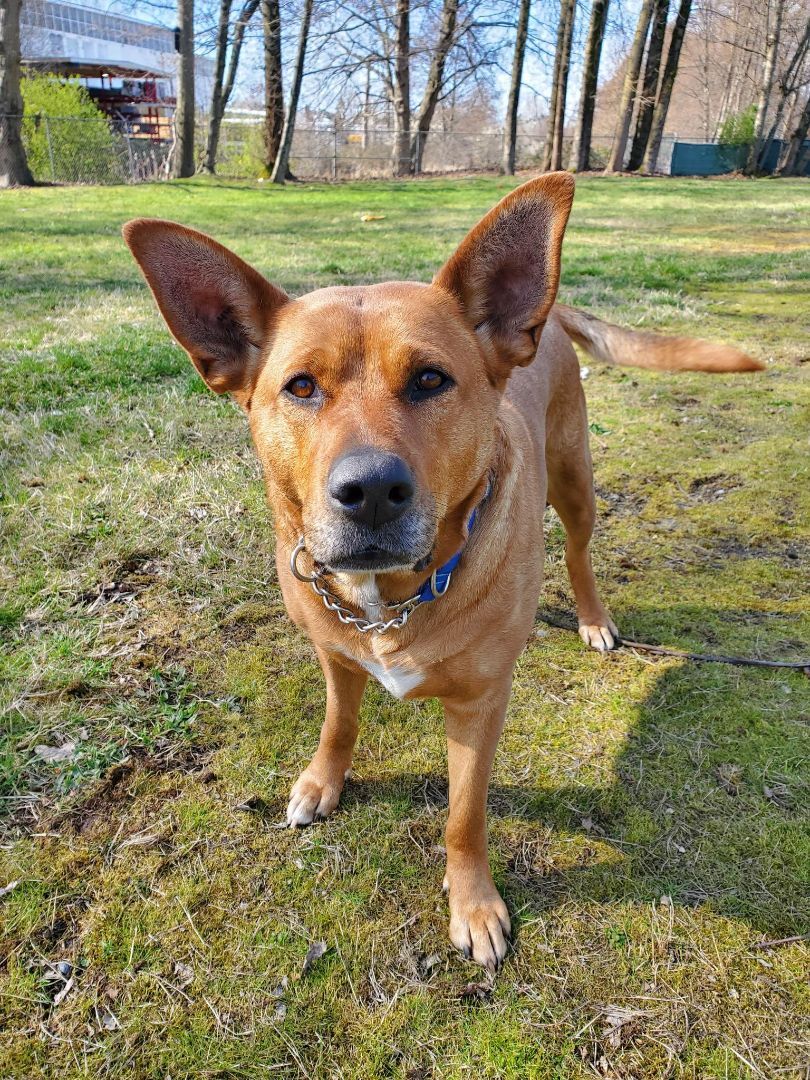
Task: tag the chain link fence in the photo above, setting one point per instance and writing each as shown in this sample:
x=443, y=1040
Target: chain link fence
x=74, y=150
x=90, y=150
x=359, y=153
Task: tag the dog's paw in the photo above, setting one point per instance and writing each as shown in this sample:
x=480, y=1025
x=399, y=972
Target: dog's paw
x=602, y=635
x=313, y=797
x=479, y=922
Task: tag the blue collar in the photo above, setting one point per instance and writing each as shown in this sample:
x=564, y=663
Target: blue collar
x=439, y=581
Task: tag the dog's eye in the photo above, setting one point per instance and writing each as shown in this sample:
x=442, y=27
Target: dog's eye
x=428, y=382
x=301, y=387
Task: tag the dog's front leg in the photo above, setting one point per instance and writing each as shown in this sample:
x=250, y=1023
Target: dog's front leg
x=316, y=792
x=479, y=921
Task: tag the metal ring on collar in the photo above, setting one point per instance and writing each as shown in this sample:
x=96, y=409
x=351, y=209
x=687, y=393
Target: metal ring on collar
x=307, y=578
x=435, y=588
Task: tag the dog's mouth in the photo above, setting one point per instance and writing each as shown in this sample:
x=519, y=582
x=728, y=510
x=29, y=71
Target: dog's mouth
x=373, y=560
x=348, y=547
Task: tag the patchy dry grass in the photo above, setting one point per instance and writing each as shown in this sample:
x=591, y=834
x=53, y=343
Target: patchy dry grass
x=649, y=818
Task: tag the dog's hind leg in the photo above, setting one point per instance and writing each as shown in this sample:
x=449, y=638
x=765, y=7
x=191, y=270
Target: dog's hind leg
x=570, y=492
x=316, y=792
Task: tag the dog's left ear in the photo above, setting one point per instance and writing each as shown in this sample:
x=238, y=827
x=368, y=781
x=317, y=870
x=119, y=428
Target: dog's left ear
x=506, y=271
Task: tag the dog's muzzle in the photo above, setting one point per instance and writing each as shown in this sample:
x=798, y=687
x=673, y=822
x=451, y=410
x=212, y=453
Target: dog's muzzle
x=373, y=520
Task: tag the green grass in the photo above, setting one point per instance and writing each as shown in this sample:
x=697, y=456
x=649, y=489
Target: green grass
x=649, y=818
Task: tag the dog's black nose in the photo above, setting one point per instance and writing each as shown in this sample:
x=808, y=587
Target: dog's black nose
x=370, y=486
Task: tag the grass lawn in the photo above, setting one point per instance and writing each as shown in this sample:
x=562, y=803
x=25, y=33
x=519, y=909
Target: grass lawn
x=649, y=818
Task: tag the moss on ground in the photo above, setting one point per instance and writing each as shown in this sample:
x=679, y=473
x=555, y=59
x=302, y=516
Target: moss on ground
x=648, y=817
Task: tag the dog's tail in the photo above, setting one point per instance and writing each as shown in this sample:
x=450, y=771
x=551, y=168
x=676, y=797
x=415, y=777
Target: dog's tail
x=615, y=345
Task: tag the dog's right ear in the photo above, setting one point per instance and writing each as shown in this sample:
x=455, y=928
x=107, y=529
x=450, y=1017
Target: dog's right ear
x=220, y=309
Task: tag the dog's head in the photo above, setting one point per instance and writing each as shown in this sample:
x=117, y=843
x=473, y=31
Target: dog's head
x=372, y=407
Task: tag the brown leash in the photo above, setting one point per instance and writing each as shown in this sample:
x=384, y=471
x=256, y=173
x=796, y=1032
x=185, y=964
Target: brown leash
x=702, y=658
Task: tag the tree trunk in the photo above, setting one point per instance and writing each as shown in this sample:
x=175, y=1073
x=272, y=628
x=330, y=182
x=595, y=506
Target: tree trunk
x=794, y=158
x=754, y=161
x=649, y=85
x=665, y=89
x=559, y=118
x=282, y=166
x=401, y=99
x=731, y=78
x=184, y=114
x=273, y=89
x=559, y=81
x=788, y=87
x=217, y=107
x=616, y=160
x=581, y=149
x=14, y=171
x=435, y=83
x=513, y=102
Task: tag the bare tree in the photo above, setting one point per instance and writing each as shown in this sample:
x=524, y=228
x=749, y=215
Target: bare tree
x=388, y=47
x=552, y=151
x=649, y=84
x=14, y=171
x=401, y=88
x=766, y=87
x=628, y=98
x=581, y=148
x=281, y=167
x=795, y=154
x=790, y=81
x=513, y=101
x=273, y=89
x=223, y=81
x=665, y=89
x=217, y=106
x=183, y=164
x=435, y=82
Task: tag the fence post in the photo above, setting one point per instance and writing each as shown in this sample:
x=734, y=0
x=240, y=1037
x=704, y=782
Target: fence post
x=335, y=154
x=50, y=149
x=126, y=137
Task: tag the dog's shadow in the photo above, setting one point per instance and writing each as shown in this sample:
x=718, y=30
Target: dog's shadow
x=704, y=805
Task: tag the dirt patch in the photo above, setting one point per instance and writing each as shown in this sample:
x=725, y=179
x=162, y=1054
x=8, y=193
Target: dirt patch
x=710, y=489
x=789, y=552
x=117, y=788
x=620, y=503
x=123, y=583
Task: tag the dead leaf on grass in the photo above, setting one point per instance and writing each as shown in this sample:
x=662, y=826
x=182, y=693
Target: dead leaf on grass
x=109, y=1021
x=619, y=1025
x=314, y=953
x=183, y=973
x=6, y=889
x=52, y=754
x=730, y=777
x=779, y=795
x=476, y=991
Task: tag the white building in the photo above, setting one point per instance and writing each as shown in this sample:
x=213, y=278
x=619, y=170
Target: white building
x=129, y=66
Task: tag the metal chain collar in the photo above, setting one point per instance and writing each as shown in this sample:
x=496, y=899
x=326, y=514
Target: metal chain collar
x=333, y=603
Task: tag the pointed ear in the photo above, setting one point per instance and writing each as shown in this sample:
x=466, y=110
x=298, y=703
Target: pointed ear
x=219, y=308
x=506, y=271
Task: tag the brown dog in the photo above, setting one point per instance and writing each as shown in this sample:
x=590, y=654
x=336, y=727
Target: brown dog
x=399, y=425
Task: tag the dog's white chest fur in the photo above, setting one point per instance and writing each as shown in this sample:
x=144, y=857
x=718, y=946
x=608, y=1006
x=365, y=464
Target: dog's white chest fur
x=396, y=678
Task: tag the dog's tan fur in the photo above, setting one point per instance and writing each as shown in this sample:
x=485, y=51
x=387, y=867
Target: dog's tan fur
x=515, y=422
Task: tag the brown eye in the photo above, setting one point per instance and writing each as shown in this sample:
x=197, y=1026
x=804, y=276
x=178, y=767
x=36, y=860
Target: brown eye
x=301, y=387
x=429, y=380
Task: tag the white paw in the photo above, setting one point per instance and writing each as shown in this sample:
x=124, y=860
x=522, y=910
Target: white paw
x=602, y=637
x=312, y=799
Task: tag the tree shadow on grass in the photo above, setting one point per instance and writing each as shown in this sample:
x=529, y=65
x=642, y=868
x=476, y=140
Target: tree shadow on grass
x=706, y=802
